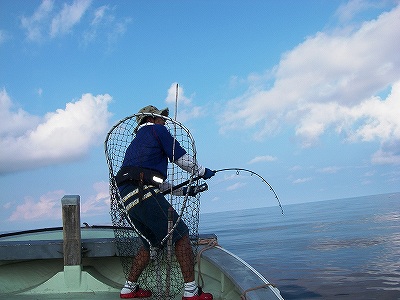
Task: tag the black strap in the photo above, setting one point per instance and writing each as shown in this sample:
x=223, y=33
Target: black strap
x=141, y=186
x=137, y=175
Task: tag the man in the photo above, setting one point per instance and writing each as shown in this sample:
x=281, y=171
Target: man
x=143, y=169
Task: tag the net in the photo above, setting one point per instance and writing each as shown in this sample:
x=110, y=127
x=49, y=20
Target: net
x=163, y=274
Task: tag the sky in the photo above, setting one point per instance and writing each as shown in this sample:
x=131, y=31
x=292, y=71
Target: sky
x=304, y=93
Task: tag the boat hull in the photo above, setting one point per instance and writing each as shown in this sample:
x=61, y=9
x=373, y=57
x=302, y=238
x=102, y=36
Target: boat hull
x=32, y=267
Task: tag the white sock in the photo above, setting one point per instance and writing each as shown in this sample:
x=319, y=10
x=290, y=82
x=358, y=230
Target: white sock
x=129, y=287
x=191, y=289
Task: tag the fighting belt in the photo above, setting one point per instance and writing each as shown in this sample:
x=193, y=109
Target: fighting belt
x=138, y=176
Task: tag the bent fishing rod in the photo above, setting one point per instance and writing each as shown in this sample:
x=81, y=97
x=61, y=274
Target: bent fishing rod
x=238, y=170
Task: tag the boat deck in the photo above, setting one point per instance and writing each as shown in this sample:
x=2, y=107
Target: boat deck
x=31, y=267
x=74, y=296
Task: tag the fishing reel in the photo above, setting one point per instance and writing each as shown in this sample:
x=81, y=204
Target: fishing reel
x=192, y=191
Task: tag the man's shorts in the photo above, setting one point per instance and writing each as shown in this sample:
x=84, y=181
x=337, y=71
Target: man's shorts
x=150, y=215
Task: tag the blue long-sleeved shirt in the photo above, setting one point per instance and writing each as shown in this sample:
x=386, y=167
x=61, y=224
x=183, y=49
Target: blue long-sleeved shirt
x=151, y=148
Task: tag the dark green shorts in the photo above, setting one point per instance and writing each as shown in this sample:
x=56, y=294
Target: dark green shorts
x=150, y=216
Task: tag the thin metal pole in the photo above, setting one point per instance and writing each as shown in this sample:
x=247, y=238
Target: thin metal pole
x=169, y=251
x=170, y=210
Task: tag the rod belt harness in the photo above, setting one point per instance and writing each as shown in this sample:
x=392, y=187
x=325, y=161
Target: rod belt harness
x=138, y=176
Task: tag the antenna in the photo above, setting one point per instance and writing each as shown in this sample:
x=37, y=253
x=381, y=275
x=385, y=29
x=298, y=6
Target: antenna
x=176, y=102
x=171, y=226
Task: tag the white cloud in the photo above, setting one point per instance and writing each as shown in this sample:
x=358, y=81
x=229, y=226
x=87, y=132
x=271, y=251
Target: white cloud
x=99, y=14
x=302, y=180
x=389, y=153
x=330, y=81
x=45, y=21
x=99, y=19
x=14, y=123
x=35, y=24
x=235, y=186
x=116, y=31
x=330, y=170
x=67, y=134
x=98, y=203
x=369, y=173
x=48, y=207
x=105, y=26
x=51, y=19
x=265, y=158
x=186, y=109
x=173, y=93
x=68, y=17
x=296, y=168
x=348, y=10
x=7, y=205
x=215, y=199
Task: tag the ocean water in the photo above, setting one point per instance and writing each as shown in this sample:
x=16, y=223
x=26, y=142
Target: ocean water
x=337, y=249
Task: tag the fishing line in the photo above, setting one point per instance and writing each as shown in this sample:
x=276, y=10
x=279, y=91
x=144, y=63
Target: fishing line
x=238, y=170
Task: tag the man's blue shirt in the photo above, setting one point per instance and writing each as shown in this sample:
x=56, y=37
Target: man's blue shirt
x=151, y=148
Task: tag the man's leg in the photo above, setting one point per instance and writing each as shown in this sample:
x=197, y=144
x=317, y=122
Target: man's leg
x=131, y=288
x=184, y=255
x=140, y=262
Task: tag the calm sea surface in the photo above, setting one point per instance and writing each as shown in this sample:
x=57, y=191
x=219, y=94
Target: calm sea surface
x=338, y=249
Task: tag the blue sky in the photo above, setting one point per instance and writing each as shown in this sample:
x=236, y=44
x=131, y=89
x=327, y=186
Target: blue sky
x=305, y=93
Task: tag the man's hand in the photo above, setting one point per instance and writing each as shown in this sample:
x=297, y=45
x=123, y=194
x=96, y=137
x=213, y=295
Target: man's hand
x=208, y=174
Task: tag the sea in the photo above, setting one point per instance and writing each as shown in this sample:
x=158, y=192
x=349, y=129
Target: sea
x=335, y=249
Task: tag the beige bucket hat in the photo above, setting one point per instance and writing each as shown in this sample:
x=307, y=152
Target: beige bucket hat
x=152, y=110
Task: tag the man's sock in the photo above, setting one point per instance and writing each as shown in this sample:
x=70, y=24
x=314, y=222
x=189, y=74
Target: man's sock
x=129, y=287
x=191, y=289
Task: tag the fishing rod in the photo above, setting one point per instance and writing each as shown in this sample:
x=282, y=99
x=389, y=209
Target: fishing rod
x=182, y=184
x=238, y=170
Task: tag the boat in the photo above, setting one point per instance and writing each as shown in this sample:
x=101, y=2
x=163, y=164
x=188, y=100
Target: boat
x=82, y=262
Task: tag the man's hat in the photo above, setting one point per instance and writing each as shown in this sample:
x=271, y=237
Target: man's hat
x=150, y=109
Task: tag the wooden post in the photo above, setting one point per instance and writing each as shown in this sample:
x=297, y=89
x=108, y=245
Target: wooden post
x=71, y=230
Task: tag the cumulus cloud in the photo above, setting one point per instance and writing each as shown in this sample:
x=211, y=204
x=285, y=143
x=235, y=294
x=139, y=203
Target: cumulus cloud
x=177, y=90
x=48, y=206
x=14, y=122
x=186, y=109
x=331, y=81
x=99, y=202
x=67, y=134
x=348, y=11
x=389, y=153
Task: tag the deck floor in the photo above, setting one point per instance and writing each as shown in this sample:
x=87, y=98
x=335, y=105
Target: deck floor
x=77, y=296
